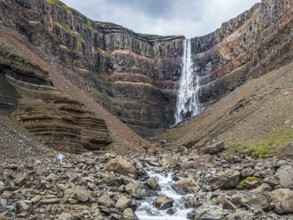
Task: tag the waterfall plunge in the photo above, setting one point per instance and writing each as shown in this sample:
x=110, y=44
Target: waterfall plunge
x=187, y=100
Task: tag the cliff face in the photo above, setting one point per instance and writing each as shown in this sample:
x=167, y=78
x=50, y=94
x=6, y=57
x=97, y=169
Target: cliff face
x=136, y=76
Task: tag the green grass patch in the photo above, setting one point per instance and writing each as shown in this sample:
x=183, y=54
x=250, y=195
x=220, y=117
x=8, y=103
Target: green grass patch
x=265, y=147
x=248, y=179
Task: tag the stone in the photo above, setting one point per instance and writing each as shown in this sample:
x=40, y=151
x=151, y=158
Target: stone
x=123, y=202
x=246, y=172
x=260, y=202
x=262, y=188
x=282, y=200
x=36, y=199
x=79, y=193
x=121, y=166
x=49, y=201
x=152, y=183
x=285, y=174
x=227, y=179
x=213, y=149
x=286, y=151
x=236, y=199
x=128, y=214
x=240, y=215
x=105, y=200
x=221, y=200
x=22, y=206
x=136, y=189
x=168, y=161
x=163, y=202
x=186, y=185
x=21, y=179
x=65, y=216
x=209, y=212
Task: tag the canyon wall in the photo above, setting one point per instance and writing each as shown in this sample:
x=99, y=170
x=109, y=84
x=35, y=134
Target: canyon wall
x=136, y=76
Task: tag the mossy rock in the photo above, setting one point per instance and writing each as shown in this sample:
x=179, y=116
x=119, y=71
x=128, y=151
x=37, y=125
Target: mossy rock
x=250, y=182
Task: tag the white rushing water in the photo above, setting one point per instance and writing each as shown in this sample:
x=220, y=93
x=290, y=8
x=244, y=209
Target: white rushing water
x=187, y=100
x=147, y=211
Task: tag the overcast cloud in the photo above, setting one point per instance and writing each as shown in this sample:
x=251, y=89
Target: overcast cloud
x=164, y=17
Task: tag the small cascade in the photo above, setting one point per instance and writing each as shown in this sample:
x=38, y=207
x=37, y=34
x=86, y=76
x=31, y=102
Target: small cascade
x=187, y=104
x=147, y=211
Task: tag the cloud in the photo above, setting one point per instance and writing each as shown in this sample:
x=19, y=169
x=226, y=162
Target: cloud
x=164, y=17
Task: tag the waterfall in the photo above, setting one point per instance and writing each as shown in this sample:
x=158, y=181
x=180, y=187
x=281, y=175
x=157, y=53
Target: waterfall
x=187, y=103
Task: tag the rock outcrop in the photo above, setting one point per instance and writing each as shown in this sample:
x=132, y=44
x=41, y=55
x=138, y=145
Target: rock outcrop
x=136, y=76
x=55, y=119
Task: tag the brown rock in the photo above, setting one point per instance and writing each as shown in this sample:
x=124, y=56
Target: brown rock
x=285, y=174
x=287, y=151
x=227, y=179
x=213, y=149
x=79, y=193
x=163, y=202
x=283, y=201
x=121, y=166
x=168, y=161
x=128, y=214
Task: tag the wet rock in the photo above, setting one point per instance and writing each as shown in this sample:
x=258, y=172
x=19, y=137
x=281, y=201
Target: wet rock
x=285, y=174
x=227, y=179
x=282, y=200
x=121, y=166
x=152, y=183
x=213, y=149
x=163, y=202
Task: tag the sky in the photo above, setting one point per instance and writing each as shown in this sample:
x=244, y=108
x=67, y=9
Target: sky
x=191, y=18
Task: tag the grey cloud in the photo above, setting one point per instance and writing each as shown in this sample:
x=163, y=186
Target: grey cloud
x=165, y=17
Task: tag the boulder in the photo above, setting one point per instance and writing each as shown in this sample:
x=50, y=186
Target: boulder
x=186, y=185
x=221, y=200
x=128, y=214
x=240, y=215
x=123, y=202
x=152, y=183
x=285, y=174
x=105, y=200
x=282, y=200
x=79, y=193
x=168, y=161
x=135, y=189
x=121, y=166
x=287, y=151
x=163, y=202
x=209, y=212
x=213, y=149
x=227, y=179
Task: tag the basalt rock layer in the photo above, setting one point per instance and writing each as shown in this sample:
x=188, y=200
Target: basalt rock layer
x=136, y=76
x=58, y=121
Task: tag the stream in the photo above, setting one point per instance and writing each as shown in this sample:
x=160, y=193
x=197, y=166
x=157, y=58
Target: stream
x=147, y=210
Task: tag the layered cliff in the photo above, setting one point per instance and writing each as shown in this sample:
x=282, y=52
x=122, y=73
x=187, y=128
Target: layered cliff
x=136, y=76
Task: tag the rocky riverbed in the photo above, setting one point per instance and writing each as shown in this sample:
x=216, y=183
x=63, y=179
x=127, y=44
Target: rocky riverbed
x=90, y=186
